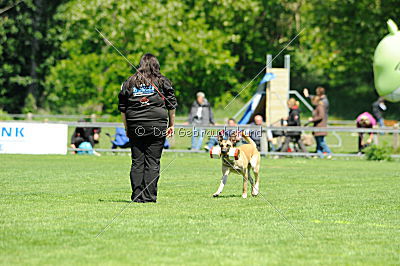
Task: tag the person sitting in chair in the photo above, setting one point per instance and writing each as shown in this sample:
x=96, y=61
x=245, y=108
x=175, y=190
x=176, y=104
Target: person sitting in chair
x=293, y=120
x=256, y=135
x=213, y=141
x=121, y=140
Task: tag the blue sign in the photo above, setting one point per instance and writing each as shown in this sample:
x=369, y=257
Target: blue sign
x=143, y=90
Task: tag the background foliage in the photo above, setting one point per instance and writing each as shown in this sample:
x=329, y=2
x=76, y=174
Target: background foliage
x=54, y=60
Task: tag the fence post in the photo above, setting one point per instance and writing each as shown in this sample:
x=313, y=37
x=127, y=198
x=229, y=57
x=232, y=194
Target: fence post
x=396, y=137
x=93, y=118
x=29, y=116
x=263, y=142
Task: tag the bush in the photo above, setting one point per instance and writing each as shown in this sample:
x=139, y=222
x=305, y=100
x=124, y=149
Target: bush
x=30, y=104
x=4, y=116
x=378, y=153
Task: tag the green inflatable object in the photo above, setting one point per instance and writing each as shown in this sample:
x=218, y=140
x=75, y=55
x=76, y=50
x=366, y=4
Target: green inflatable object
x=387, y=64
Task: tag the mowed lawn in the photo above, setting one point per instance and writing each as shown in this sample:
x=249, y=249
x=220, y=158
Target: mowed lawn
x=52, y=208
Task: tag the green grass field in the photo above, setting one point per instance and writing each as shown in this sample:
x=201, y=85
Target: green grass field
x=52, y=208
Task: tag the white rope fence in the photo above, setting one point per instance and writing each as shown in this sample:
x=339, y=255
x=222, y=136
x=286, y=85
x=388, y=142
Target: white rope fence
x=391, y=130
x=285, y=154
x=283, y=130
x=263, y=129
x=30, y=116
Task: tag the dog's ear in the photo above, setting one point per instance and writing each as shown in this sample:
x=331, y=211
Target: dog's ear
x=220, y=136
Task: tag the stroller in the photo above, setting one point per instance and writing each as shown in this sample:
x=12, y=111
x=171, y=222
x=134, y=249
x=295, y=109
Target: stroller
x=121, y=140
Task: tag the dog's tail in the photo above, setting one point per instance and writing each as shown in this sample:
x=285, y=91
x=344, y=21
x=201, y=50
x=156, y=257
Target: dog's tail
x=248, y=139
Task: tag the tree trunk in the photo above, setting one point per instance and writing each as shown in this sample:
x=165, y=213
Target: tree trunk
x=33, y=87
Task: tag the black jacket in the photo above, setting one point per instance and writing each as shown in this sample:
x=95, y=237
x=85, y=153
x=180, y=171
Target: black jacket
x=207, y=116
x=144, y=106
x=82, y=134
x=294, y=121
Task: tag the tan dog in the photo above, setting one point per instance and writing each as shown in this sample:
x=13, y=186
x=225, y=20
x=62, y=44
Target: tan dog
x=249, y=158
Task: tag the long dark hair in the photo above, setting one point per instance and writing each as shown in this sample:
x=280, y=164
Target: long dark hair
x=148, y=72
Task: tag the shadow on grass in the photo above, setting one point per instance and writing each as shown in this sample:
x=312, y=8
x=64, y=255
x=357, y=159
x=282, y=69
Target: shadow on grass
x=229, y=196
x=115, y=201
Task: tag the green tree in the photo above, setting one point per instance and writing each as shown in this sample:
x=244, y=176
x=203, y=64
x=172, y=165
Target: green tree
x=50, y=50
x=253, y=28
x=337, y=50
x=191, y=54
x=27, y=48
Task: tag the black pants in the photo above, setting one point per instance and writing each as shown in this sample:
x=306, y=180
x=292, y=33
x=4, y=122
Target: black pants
x=145, y=170
x=78, y=141
x=360, y=141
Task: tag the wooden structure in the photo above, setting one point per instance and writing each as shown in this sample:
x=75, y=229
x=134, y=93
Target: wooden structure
x=277, y=92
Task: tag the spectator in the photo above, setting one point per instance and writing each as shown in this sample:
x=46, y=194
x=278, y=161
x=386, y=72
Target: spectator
x=320, y=91
x=94, y=135
x=85, y=134
x=255, y=135
x=293, y=120
x=213, y=141
x=200, y=115
x=378, y=107
x=78, y=137
x=320, y=120
x=231, y=122
x=365, y=120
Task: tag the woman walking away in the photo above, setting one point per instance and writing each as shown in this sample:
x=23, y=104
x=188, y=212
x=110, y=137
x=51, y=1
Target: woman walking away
x=320, y=120
x=147, y=104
